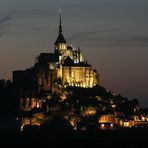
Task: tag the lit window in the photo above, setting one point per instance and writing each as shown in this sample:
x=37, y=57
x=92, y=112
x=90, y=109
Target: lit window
x=62, y=47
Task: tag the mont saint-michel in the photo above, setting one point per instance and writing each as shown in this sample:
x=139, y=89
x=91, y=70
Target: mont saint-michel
x=64, y=85
x=62, y=92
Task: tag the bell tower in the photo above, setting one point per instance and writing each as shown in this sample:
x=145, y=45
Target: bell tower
x=60, y=45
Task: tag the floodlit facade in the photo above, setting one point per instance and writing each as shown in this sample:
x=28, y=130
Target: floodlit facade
x=65, y=67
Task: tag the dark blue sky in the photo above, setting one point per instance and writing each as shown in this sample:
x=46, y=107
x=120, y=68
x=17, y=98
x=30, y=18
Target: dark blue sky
x=112, y=34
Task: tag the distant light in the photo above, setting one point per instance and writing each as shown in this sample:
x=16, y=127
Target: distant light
x=143, y=118
x=126, y=124
x=38, y=105
x=22, y=127
x=111, y=125
x=102, y=125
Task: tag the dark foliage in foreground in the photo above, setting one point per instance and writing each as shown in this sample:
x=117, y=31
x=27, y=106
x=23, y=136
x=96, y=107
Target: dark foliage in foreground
x=46, y=137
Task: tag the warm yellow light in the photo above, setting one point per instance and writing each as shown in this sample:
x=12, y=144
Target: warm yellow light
x=126, y=124
x=38, y=105
x=102, y=125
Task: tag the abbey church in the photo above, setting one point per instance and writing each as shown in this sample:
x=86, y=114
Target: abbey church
x=65, y=66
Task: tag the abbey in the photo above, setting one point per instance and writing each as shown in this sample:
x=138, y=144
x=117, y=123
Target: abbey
x=66, y=66
x=51, y=74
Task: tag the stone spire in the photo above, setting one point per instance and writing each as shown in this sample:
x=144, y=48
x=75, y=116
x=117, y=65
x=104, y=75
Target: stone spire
x=60, y=38
x=60, y=24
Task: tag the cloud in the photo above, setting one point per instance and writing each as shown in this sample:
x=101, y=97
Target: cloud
x=4, y=23
x=111, y=37
x=90, y=33
x=130, y=41
x=5, y=19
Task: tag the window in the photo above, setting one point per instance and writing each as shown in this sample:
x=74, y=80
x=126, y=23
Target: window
x=62, y=46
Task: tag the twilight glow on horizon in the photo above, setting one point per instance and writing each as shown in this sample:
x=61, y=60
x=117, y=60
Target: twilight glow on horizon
x=112, y=34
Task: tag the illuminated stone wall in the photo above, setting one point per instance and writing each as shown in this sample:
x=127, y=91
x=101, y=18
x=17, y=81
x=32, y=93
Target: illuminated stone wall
x=79, y=76
x=36, y=119
x=26, y=104
x=107, y=119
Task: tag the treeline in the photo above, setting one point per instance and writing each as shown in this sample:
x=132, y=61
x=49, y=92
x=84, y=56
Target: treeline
x=8, y=103
x=104, y=101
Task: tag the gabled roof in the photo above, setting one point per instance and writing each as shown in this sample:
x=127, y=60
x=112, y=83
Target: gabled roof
x=60, y=39
x=48, y=57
